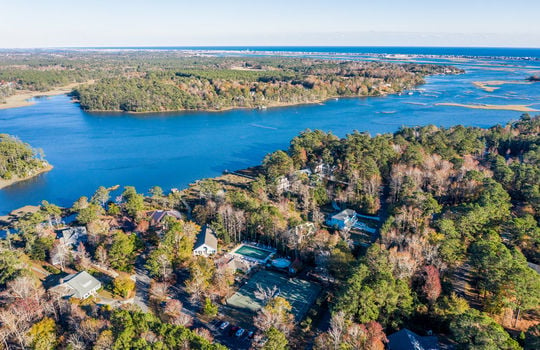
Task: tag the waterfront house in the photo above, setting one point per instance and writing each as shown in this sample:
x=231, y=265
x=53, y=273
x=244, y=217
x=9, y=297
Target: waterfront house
x=282, y=184
x=80, y=285
x=156, y=217
x=343, y=220
x=206, y=243
x=324, y=170
x=72, y=236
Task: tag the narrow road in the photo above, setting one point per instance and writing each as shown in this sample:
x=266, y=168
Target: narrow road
x=188, y=208
x=142, y=284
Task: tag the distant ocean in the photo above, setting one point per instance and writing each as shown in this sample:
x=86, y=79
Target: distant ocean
x=441, y=51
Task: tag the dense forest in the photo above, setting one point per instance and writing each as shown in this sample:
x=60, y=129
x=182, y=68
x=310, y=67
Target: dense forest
x=171, y=81
x=18, y=159
x=458, y=232
x=250, y=85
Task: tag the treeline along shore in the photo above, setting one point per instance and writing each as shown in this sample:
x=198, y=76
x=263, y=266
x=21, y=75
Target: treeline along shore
x=145, y=82
x=19, y=161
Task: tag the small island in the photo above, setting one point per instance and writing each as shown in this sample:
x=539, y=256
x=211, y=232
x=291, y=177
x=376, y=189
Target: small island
x=19, y=161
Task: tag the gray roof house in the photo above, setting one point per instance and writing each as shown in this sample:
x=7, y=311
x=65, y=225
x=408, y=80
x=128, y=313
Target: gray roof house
x=80, y=285
x=72, y=235
x=344, y=220
x=157, y=216
x=408, y=340
x=206, y=243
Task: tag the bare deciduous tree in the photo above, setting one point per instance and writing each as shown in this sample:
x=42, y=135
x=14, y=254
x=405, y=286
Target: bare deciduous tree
x=205, y=333
x=60, y=253
x=337, y=328
x=101, y=256
x=159, y=290
x=265, y=293
x=24, y=287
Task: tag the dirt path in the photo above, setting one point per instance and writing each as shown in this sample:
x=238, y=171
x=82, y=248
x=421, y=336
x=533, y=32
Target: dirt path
x=462, y=280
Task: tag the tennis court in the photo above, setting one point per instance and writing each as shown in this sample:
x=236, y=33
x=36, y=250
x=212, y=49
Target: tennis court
x=299, y=293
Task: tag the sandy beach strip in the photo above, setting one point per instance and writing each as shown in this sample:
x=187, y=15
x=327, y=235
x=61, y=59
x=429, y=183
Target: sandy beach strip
x=7, y=220
x=493, y=85
x=518, y=108
x=22, y=97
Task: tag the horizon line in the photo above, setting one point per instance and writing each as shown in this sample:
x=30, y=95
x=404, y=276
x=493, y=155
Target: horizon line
x=266, y=46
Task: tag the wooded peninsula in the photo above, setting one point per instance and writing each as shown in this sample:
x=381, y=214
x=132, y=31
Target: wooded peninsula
x=19, y=161
x=174, y=81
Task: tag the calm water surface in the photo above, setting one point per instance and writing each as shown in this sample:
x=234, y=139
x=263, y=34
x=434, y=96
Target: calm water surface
x=173, y=150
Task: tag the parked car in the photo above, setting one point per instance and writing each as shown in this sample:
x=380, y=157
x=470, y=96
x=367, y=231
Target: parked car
x=251, y=334
x=233, y=330
x=224, y=325
x=239, y=332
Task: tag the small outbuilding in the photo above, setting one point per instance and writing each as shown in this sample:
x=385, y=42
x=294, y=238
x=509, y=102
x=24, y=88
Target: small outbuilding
x=295, y=267
x=206, y=243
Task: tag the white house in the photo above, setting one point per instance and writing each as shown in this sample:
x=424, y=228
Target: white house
x=344, y=220
x=80, y=285
x=324, y=169
x=206, y=243
x=282, y=184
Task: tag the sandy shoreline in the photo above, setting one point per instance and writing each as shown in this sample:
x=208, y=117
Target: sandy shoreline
x=22, y=97
x=492, y=85
x=6, y=183
x=518, y=108
x=7, y=220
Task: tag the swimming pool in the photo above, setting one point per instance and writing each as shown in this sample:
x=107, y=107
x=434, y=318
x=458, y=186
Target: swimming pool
x=253, y=252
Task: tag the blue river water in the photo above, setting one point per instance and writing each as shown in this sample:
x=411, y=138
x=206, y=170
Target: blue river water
x=172, y=150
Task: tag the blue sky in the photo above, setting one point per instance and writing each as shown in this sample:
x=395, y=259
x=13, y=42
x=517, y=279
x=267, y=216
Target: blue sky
x=62, y=23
